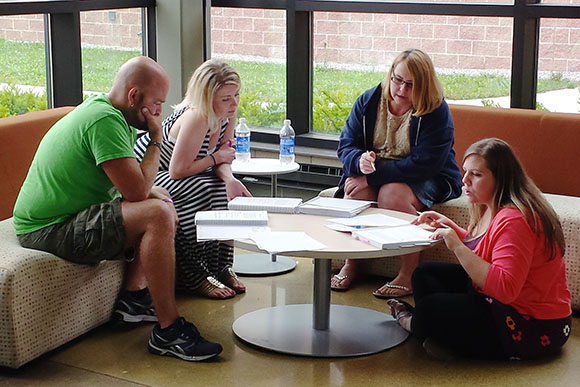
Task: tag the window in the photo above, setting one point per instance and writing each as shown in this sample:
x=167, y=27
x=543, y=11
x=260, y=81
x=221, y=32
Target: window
x=23, y=64
x=253, y=42
x=114, y=34
x=559, y=65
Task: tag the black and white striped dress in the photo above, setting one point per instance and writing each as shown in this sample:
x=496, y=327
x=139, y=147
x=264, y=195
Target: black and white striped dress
x=194, y=261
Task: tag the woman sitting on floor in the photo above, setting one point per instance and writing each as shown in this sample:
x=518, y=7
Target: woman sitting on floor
x=508, y=298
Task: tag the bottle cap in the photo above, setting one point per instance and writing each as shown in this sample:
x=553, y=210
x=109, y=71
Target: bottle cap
x=286, y=122
x=242, y=120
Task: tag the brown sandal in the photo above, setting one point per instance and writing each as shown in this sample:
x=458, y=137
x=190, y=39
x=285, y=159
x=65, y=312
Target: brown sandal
x=210, y=288
x=230, y=277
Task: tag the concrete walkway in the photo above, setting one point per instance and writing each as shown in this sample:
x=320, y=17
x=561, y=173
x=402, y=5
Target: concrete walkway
x=563, y=101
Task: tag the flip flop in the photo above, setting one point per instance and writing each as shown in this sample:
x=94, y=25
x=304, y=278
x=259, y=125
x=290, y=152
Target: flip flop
x=405, y=291
x=343, y=283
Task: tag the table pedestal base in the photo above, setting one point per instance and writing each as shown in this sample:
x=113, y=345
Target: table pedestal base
x=262, y=264
x=288, y=329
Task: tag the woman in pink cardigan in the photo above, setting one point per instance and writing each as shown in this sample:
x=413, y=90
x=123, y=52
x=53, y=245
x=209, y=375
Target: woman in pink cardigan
x=507, y=298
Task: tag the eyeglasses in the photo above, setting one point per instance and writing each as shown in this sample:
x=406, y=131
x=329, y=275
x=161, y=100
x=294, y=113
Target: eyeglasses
x=400, y=81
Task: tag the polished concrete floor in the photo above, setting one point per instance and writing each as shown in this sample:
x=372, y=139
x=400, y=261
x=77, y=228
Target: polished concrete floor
x=116, y=355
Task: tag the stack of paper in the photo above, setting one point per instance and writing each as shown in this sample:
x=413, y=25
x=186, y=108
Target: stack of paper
x=226, y=225
x=281, y=205
x=340, y=208
x=232, y=218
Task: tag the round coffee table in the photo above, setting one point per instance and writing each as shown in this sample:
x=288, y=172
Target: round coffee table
x=321, y=329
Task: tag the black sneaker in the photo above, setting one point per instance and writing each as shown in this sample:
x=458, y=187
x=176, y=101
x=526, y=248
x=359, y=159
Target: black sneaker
x=182, y=339
x=130, y=309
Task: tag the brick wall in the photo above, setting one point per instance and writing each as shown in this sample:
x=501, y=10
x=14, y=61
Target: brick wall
x=453, y=42
x=119, y=28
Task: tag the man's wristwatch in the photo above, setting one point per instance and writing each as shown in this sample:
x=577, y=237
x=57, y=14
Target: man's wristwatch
x=154, y=143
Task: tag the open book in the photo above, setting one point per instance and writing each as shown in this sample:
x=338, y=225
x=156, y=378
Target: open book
x=232, y=218
x=395, y=237
x=282, y=205
x=339, y=208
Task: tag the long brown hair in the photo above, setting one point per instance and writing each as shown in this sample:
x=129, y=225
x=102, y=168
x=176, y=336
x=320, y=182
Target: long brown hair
x=513, y=187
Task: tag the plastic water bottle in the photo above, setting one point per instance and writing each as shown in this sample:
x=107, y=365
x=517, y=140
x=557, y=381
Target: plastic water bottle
x=286, y=143
x=242, y=141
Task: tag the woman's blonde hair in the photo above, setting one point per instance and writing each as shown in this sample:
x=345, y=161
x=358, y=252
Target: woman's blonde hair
x=427, y=92
x=513, y=187
x=203, y=85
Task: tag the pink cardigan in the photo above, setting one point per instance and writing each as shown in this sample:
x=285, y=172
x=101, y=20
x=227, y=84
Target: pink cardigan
x=520, y=274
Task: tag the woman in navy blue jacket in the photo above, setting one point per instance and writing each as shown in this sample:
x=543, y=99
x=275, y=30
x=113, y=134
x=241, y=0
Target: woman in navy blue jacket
x=397, y=149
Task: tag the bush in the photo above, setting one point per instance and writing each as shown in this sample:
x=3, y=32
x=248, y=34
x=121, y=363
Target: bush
x=14, y=101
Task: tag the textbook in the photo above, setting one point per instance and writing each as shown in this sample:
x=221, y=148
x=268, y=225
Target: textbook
x=395, y=237
x=232, y=218
x=335, y=207
x=281, y=205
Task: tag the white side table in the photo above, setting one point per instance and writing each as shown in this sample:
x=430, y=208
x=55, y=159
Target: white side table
x=263, y=264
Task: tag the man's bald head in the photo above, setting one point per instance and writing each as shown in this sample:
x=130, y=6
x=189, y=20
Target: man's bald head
x=139, y=71
x=140, y=82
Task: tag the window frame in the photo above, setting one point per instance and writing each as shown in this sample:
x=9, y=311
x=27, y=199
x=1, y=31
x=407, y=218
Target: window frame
x=526, y=15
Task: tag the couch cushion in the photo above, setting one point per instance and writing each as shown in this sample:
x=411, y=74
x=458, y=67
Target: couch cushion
x=46, y=301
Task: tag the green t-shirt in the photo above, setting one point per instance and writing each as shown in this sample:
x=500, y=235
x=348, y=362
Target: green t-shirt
x=66, y=175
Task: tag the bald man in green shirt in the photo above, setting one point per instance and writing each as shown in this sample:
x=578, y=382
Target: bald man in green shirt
x=86, y=199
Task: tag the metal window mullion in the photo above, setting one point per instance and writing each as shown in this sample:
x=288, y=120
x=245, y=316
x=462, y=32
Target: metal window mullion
x=299, y=69
x=63, y=59
x=149, y=36
x=524, y=82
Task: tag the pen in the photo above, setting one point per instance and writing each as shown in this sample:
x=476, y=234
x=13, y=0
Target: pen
x=372, y=162
x=435, y=220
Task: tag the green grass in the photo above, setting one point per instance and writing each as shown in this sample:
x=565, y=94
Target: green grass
x=25, y=64
x=263, y=94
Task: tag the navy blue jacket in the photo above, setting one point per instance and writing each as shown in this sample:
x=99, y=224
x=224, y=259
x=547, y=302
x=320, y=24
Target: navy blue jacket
x=431, y=136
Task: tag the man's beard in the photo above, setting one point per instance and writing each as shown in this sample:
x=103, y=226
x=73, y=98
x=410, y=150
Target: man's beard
x=136, y=121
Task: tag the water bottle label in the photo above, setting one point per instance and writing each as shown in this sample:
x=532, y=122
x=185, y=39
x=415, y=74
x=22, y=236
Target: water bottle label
x=287, y=146
x=243, y=144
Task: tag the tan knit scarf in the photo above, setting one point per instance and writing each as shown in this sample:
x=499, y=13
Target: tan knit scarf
x=391, y=136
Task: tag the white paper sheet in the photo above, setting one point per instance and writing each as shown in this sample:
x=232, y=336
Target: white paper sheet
x=276, y=242
x=221, y=233
x=372, y=220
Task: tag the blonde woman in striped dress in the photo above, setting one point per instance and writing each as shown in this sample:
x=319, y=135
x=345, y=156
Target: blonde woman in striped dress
x=195, y=168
